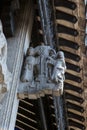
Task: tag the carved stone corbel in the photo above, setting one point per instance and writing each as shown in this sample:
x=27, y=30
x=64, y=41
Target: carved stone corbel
x=43, y=72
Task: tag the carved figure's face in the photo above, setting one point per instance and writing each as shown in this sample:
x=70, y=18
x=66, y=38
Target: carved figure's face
x=31, y=51
x=52, y=53
x=58, y=72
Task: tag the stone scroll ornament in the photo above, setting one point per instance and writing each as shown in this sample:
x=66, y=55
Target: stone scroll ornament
x=43, y=69
x=5, y=75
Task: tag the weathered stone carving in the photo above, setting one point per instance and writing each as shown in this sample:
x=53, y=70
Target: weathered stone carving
x=32, y=62
x=43, y=69
x=5, y=75
x=59, y=69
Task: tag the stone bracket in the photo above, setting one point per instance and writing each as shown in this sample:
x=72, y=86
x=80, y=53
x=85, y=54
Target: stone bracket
x=43, y=72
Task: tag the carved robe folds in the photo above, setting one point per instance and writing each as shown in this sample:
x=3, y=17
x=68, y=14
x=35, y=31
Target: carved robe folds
x=43, y=72
x=5, y=75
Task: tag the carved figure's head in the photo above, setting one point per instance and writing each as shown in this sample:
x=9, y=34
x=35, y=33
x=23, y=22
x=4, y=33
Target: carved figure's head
x=60, y=55
x=31, y=51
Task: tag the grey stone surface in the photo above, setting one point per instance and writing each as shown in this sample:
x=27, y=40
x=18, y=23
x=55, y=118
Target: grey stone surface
x=14, y=62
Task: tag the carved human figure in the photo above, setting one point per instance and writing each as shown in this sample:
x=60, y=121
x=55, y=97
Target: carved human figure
x=33, y=59
x=5, y=75
x=27, y=74
x=59, y=68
